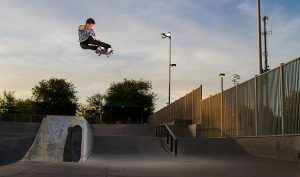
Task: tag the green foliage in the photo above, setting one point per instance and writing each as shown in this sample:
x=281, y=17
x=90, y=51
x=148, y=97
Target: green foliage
x=135, y=91
x=56, y=97
x=27, y=106
x=96, y=100
x=91, y=111
x=8, y=103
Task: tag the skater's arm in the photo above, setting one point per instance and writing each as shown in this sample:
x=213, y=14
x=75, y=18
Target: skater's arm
x=82, y=27
x=90, y=32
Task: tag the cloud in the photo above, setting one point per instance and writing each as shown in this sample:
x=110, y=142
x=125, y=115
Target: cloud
x=40, y=41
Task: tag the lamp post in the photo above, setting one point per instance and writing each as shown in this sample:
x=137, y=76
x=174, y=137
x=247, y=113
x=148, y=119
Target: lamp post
x=168, y=35
x=100, y=109
x=260, y=69
x=222, y=75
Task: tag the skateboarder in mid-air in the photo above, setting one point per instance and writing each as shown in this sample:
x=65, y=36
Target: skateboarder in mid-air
x=89, y=40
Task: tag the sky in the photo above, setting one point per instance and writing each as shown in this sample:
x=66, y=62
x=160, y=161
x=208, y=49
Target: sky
x=39, y=40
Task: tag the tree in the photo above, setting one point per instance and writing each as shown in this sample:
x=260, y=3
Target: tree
x=133, y=91
x=91, y=111
x=56, y=97
x=26, y=106
x=8, y=103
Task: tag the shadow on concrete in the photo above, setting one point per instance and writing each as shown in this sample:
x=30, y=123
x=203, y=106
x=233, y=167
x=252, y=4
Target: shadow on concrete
x=15, y=140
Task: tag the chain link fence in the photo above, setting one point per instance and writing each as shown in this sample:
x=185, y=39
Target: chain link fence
x=21, y=118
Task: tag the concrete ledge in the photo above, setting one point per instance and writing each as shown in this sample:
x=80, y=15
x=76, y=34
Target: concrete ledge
x=50, y=141
x=283, y=148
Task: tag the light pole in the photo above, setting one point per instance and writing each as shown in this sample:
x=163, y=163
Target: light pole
x=100, y=109
x=260, y=69
x=168, y=35
x=222, y=75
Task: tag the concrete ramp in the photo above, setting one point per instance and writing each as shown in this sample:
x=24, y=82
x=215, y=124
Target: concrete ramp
x=16, y=139
x=50, y=142
x=127, y=145
x=139, y=140
x=126, y=140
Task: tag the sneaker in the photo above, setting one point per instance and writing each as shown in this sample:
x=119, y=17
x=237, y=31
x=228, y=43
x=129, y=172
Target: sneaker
x=98, y=50
x=109, y=51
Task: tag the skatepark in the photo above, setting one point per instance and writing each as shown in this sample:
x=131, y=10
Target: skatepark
x=126, y=150
x=150, y=88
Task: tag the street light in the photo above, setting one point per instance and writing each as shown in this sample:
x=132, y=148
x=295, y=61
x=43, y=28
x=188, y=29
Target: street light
x=222, y=75
x=166, y=35
x=163, y=36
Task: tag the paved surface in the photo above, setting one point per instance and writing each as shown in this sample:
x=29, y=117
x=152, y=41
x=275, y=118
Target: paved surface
x=136, y=153
x=151, y=166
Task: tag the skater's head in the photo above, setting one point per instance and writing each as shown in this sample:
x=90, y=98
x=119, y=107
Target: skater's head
x=90, y=23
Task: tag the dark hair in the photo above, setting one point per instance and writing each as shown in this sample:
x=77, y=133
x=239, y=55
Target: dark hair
x=90, y=21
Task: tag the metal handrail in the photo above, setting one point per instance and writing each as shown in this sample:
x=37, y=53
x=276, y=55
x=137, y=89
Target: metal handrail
x=166, y=133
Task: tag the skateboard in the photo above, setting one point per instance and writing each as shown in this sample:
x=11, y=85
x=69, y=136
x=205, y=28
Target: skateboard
x=76, y=143
x=104, y=52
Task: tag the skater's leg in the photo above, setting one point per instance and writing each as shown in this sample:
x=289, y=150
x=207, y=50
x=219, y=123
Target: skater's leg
x=105, y=45
x=86, y=45
x=91, y=40
x=91, y=47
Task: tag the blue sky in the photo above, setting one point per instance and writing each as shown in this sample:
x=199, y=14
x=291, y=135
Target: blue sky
x=38, y=40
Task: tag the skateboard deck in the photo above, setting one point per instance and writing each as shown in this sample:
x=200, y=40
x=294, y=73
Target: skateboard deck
x=76, y=143
x=104, y=52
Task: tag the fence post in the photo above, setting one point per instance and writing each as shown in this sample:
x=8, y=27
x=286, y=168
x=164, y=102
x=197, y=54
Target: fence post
x=200, y=104
x=256, y=107
x=222, y=113
x=185, y=111
x=169, y=117
x=282, y=95
x=193, y=107
x=209, y=128
x=237, y=125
